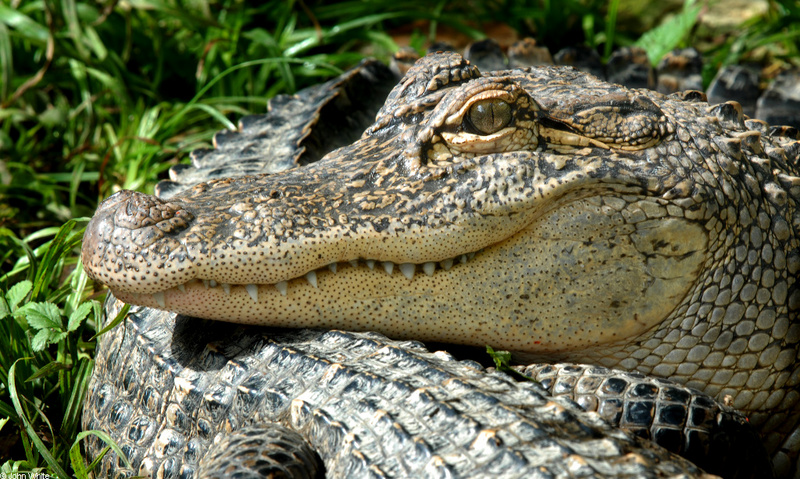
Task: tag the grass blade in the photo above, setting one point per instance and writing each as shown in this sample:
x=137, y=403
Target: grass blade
x=31, y=432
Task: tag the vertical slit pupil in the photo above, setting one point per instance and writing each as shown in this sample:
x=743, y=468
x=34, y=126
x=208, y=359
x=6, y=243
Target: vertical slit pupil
x=490, y=116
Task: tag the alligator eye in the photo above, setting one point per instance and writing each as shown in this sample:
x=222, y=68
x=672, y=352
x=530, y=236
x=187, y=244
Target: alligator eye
x=490, y=115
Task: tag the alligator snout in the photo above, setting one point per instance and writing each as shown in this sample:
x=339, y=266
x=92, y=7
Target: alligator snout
x=118, y=239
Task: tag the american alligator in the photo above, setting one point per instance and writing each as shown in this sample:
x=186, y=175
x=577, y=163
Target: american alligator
x=539, y=210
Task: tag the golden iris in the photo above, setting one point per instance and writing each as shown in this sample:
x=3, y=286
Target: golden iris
x=490, y=115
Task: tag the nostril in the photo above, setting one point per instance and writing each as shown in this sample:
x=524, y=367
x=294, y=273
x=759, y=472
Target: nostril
x=115, y=199
x=128, y=230
x=138, y=210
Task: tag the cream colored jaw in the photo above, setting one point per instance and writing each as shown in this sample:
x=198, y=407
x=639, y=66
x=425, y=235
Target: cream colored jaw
x=407, y=269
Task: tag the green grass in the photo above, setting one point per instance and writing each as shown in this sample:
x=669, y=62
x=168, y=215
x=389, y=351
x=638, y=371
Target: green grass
x=95, y=97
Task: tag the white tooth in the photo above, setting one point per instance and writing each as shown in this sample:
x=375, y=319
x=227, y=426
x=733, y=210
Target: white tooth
x=205, y=283
x=370, y=263
x=463, y=258
x=470, y=255
x=407, y=269
x=282, y=287
x=429, y=268
x=227, y=288
x=159, y=297
x=332, y=267
x=447, y=264
x=252, y=290
x=212, y=283
x=312, y=278
x=388, y=266
x=182, y=287
x=353, y=263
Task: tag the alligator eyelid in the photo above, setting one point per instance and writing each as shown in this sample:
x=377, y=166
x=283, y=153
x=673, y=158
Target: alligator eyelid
x=455, y=113
x=555, y=124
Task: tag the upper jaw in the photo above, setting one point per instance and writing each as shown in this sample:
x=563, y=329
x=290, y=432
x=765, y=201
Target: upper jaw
x=433, y=218
x=277, y=239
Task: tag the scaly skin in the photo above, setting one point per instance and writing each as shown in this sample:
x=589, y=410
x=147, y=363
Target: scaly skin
x=610, y=226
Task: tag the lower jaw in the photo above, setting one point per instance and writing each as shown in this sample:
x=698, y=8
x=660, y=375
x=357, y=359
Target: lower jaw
x=359, y=296
x=461, y=305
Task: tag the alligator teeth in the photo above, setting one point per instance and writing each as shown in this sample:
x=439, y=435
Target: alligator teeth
x=408, y=270
x=312, y=278
x=252, y=290
x=159, y=297
x=429, y=268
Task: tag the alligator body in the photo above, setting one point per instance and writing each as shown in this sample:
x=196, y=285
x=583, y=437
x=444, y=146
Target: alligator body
x=540, y=210
x=175, y=395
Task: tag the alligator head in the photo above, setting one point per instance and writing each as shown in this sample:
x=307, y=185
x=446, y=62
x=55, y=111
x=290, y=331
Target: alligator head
x=537, y=210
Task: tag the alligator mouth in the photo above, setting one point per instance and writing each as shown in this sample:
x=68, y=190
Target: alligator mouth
x=574, y=277
x=408, y=270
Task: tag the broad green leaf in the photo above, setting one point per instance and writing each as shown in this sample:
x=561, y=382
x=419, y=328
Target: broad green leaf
x=42, y=315
x=17, y=293
x=77, y=316
x=42, y=338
